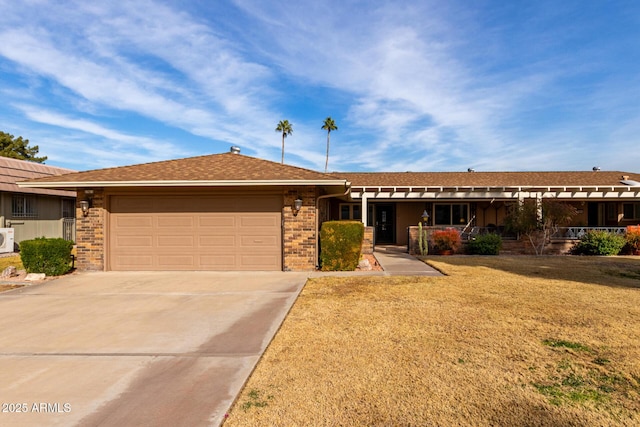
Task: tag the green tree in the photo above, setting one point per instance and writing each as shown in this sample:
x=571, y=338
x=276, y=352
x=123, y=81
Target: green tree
x=18, y=148
x=328, y=125
x=286, y=129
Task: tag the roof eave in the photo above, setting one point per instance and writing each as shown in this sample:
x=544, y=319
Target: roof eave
x=181, y=183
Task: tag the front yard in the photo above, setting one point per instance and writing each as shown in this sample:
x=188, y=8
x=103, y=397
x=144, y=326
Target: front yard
x=530, y=341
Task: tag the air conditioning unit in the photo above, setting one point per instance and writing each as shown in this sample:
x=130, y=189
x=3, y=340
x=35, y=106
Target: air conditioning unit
x=6, y=240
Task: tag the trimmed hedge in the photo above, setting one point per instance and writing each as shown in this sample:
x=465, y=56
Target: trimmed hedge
x=599, y=243
x=485, y=244
x=340, y=245
x=49, y=256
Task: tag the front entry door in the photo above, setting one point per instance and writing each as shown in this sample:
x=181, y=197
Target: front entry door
x=385, y=224
x=594, y=214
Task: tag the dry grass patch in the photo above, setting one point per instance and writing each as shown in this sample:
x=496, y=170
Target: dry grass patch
x=6, y=262
x=13, y=260
x=499, y=341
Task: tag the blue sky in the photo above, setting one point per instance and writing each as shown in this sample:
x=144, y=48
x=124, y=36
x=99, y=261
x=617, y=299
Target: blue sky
x=412, y=85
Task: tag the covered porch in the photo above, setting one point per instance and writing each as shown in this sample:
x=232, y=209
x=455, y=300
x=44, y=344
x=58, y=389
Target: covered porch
x=392, y=211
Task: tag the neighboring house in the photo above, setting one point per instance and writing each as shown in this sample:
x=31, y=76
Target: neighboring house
x=471, y=201
x=234, y=212
x=34, y=212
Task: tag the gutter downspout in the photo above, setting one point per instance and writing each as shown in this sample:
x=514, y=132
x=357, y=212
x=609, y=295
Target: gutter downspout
x=326, y=196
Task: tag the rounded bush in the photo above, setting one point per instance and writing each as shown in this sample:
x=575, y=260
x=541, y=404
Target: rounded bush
x=49, y=256
x=485, y=244
x=599, y=243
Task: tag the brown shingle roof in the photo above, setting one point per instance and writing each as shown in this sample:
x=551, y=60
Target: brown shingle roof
x=485, y=179
x=217, y=168
x=14, y=170
x=211, y=168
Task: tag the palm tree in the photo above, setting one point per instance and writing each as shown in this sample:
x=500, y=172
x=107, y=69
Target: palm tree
x=328, y=125
x=285, y=127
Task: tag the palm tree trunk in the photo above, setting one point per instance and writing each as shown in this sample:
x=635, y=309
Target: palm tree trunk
x=282, y=161
x=326, y=163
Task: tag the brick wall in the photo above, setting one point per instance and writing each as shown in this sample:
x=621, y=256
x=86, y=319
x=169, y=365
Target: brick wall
x=90, y=232
x=299, y=244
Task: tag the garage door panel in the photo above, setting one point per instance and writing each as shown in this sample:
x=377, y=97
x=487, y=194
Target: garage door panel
x=258, y=221
x=176, y=262
x=217, y=241
x=181, y=241
x=218, y=221
x=134, y=241
x=171, y=221
x=261, y=242
x=255, y=262
x=218, y=262
x=136, y=261
x=195, y=233
x=134, y=222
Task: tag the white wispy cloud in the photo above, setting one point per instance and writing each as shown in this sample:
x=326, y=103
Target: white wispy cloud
x=113, y=144
x=418, y=85
x=206, y=90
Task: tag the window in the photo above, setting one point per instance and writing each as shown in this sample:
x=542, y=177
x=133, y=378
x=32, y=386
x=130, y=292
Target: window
x=68, y=208
x=451, y=214
x=350, y=211
x=24, y=207
x=631, y=211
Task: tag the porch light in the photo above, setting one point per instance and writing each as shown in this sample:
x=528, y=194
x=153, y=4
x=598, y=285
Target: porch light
x=84, y=206
x=297, y=205
x=425, y=216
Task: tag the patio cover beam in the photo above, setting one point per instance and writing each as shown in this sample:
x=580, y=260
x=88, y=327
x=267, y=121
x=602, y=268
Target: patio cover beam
x=565, y=192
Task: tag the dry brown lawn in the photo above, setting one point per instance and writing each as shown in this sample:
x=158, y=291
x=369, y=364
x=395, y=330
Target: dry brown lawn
x=499, y=341
x=13, y=260
x=6, y=262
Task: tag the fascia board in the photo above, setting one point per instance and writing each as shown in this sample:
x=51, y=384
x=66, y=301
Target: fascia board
x=233, y=183
x=475, y=188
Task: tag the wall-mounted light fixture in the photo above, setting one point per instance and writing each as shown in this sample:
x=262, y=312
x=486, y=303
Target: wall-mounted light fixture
x=84, y=206
x=297, y=205
x=86, y=203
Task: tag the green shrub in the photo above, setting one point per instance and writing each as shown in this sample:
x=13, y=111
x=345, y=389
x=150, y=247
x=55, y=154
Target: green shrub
x=599, y=243
x=340, y=243
x=485, y=244
x=49, y=256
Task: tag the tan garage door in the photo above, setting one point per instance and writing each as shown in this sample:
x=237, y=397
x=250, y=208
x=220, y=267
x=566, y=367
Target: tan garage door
x=195, y=233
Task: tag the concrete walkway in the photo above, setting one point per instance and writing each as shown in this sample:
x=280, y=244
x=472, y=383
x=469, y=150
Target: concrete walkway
x=394, y=260
x=397, y=262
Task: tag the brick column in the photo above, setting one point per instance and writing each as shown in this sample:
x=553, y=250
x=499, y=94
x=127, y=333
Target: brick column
x=90, y=232
x=299, y=242
x=367, y=241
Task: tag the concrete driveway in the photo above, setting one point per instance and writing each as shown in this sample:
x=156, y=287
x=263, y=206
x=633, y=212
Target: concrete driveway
x=136, y=349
